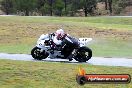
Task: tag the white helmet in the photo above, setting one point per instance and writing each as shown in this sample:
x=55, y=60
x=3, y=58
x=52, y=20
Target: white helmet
x=60, y=33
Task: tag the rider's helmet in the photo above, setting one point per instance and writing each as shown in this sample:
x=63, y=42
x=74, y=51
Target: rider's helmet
x=60, y=34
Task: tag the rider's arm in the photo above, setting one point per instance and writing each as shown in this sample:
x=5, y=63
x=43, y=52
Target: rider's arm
x=56, y=41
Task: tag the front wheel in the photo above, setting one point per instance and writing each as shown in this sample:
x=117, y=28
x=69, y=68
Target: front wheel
x=38, y=54
x=83, y=54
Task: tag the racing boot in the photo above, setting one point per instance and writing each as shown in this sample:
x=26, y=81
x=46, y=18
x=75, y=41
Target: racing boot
x=70, y=57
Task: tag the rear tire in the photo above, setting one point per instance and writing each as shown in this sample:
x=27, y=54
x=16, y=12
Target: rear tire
x=37, y=54
x=83, y=54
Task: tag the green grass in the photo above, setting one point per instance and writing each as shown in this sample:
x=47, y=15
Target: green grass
x=18, y=34
x=16, y=48
x=111, y=47
x=21, y=74
x=97, y=22
x=100, y=48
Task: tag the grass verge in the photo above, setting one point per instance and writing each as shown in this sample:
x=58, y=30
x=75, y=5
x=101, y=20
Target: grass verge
x=98, y=22
x=111, y=47
x=18, y=34
x=21, y=74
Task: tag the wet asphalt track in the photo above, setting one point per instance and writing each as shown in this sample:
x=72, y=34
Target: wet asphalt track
x=94, y=60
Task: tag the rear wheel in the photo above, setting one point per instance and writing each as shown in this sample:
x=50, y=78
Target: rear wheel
x=83, y=54
x=38, y=54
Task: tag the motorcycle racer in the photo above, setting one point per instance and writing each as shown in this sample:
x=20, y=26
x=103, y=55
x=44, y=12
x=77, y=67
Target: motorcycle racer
x=56, y=38
x=59, y=36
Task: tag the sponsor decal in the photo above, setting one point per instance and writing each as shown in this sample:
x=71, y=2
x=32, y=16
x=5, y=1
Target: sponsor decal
x=83, y=78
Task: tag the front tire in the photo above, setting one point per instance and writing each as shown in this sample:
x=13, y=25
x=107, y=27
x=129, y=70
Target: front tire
x=83, y=54
x=38, y=54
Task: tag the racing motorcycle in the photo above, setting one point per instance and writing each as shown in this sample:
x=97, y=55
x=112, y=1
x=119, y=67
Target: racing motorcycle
x=71, y=48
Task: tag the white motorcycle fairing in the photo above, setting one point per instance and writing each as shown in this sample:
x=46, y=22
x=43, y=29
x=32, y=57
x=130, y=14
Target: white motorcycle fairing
x=42, y=47
x=84, y=41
